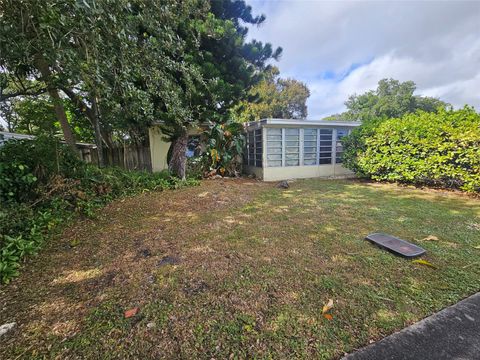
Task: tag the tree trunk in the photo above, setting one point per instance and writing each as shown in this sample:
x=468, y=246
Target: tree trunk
x=62, y=119
x=178, y=161
x=91, y=115
x=44, y=69
x=98, y=135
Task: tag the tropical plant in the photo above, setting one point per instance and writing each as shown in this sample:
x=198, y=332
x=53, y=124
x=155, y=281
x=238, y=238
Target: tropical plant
x=225, y=147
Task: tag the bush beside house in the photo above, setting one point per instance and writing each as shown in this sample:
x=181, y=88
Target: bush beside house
x=436, y=149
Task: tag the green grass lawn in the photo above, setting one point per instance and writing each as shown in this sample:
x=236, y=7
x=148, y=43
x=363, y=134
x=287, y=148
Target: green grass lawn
x=246, y=271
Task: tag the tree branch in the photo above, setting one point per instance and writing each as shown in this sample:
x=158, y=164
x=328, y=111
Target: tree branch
x=7, y=96
x=19, y=88
x=89, y=112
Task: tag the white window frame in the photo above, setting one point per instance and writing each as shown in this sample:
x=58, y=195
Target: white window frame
x=253, y=144
x=248, y=147
x=332, y=147
x=303, y=147
x=258, y=156
x=282, y=147
x=299, y=147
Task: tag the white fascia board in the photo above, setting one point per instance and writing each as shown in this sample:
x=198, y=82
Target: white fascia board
x=301, y=123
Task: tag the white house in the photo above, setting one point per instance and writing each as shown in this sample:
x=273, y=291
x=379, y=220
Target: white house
x=280, y=149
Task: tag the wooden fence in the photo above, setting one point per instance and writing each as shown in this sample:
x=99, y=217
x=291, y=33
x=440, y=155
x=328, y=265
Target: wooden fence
x=130, y=157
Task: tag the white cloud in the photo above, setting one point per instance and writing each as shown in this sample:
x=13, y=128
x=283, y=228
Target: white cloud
x=435, y=44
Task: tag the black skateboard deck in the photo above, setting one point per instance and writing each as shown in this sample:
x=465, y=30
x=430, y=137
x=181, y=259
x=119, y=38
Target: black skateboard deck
x=396, y=245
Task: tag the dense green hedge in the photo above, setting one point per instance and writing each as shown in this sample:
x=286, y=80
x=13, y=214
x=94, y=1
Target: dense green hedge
x=435, y=149
x=42, y=184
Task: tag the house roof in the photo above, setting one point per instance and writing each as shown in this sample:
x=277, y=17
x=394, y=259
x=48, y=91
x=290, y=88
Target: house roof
x=5, y=135
x=294, y=122
x=9, y=135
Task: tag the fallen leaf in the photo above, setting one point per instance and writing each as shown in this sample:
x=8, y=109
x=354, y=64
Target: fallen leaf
x=430, y=238
x=328, y=316
x=203, y=194
x=477, y=247
x=74, y=243
x=424, y=262
x=131, y=312
x=327, y=306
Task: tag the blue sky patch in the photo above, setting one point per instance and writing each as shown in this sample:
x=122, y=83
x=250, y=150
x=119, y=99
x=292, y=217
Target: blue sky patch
x=339, y=76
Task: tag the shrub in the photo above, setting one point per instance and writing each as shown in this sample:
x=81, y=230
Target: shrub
x=197, y=166
x=26, y=165
x=355, y=144
x=436, y=149
x=43, y=184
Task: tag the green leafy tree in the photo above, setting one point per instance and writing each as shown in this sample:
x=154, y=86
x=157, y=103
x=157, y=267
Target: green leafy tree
x=123, y=63
x=274, y=97
x=229, y=66
x=335, y=117
x=12, y=86
x=147, y=45
x=35, y=116
x=32, y=35
x=126, y=64
x=391, y=99
x=12, y=89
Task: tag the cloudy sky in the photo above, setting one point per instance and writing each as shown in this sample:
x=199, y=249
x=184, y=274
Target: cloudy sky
x=340, y=48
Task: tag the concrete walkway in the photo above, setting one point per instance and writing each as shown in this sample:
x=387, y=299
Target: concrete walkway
x=453, y=334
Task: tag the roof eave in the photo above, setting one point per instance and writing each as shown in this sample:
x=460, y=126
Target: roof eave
x=294, y=122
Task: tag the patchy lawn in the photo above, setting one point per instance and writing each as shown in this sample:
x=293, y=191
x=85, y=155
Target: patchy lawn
x=241, y=269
